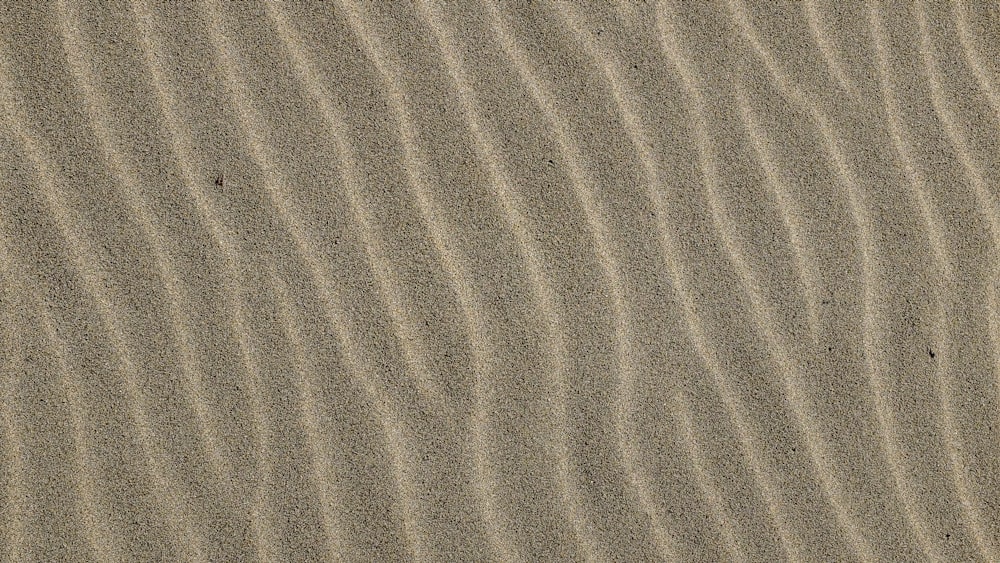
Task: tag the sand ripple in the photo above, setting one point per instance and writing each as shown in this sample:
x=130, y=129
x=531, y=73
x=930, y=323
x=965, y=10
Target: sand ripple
x=363, y=281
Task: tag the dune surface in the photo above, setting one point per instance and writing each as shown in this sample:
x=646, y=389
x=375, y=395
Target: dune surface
x=499, y=281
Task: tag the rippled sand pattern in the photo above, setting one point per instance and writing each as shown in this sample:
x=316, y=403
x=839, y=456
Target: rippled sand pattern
x=482, y=281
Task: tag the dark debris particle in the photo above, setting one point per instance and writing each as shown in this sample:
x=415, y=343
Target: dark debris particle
x=931, y=352
x=220, y=180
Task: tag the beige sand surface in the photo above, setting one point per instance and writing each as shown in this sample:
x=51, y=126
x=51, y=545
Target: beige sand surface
x=483, y=281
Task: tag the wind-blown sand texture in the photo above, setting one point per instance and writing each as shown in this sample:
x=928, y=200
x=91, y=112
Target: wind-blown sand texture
x=483, y=281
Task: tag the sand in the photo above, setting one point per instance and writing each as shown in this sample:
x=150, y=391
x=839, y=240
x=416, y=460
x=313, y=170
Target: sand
x=483, y=281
